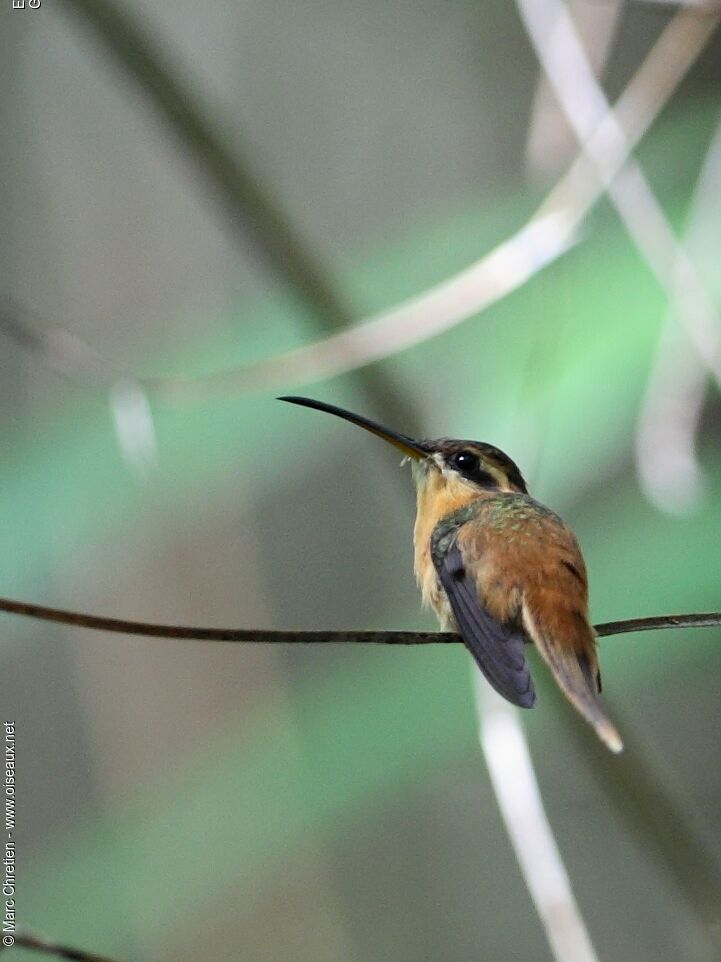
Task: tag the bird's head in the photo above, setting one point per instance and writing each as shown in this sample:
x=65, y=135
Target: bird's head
x=469, y=468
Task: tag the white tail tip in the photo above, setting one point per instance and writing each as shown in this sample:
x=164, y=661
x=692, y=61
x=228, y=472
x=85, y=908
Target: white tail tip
x=609, y=736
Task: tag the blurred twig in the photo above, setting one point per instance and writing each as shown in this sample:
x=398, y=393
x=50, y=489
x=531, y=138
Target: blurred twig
x=666, y=460
x=546, y=236
x=58, y=349
x=270, y=636
x=71, y=357
x=550, y=143
x=667, y=464
x=248, y=202
x=25, y=940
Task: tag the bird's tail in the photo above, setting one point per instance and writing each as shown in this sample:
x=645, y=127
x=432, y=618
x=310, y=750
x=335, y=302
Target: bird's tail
x=567, y=644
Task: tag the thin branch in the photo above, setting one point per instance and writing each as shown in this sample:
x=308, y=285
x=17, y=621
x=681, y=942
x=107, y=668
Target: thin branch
x=26, y=940
x=267, y=636
x=697, y=6
x=710, y=619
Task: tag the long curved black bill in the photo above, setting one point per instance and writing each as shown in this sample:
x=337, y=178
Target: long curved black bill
x=412, y=449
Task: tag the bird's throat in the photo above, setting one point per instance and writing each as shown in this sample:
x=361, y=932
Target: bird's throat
x=438, y=495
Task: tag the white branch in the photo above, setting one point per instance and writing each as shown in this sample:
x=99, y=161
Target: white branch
x=519, y=799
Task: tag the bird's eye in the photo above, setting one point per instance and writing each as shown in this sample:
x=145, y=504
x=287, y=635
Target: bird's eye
x=466, y=462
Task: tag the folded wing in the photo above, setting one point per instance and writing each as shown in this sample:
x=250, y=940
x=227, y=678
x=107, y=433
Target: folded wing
x=497, y=648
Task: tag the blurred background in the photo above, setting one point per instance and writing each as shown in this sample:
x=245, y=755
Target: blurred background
x=191, y=188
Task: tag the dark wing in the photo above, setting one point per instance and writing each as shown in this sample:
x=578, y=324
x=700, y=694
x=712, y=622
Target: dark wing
x=497, y=648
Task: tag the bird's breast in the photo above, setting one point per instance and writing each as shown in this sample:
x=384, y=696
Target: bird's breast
x=509, y=544
x=437, y=499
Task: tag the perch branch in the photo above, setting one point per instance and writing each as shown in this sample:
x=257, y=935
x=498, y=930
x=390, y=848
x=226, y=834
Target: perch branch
x=266, y=636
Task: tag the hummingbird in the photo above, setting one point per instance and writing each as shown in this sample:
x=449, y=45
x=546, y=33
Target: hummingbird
x=499, y=568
